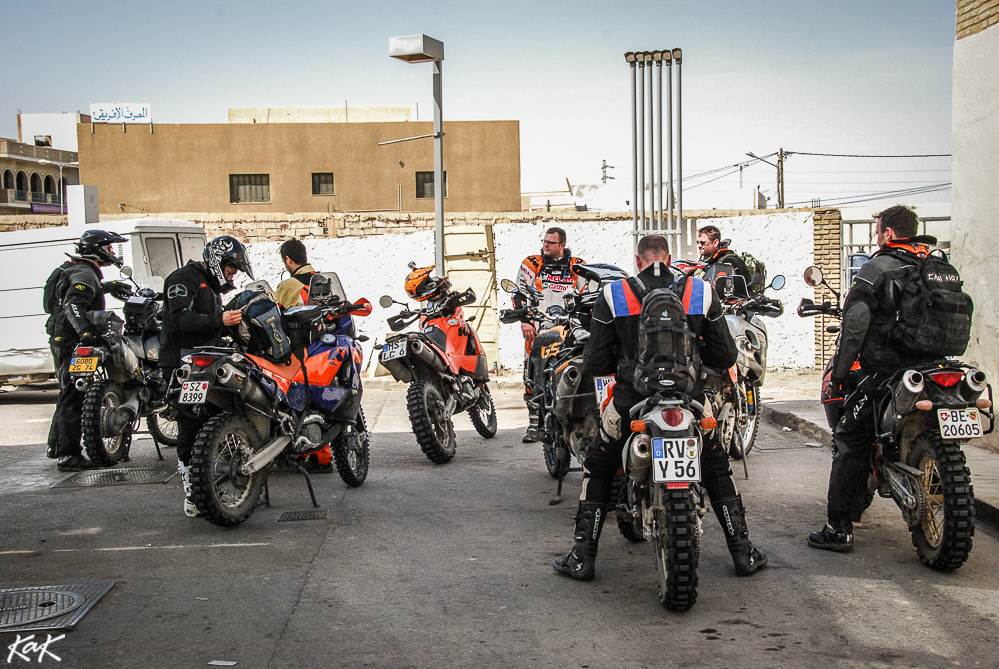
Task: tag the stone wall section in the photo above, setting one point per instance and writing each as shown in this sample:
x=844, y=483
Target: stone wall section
x=974, y=16
x=828, y=252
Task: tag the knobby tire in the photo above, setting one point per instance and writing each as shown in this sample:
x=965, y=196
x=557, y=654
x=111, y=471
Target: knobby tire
x=351, y=452
x=103, y=396
x=223, y=495
x=677, y=539
x=434, y=431
x=483, y=414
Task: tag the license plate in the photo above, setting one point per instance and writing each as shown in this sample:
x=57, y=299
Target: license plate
x=676, y=460
x=83, y=364
x=396, y=349
x=602, y=385
x=959, y=423
x=193, y=392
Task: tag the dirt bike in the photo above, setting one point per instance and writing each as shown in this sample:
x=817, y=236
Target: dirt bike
x=446, y=369
x=660, y=499
x=571, y=396
x=121, y=380
x=290, y=386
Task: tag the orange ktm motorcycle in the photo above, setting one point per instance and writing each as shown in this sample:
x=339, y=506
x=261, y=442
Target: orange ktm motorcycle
x=443, y=363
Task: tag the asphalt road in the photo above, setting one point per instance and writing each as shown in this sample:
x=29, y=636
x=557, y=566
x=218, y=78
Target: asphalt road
x=450, y=566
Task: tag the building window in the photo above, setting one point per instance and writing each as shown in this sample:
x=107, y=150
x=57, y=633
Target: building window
x=425, y=184
x=245, y=188
x=322, y=183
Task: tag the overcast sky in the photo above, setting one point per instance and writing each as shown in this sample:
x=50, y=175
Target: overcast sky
x=848, y=77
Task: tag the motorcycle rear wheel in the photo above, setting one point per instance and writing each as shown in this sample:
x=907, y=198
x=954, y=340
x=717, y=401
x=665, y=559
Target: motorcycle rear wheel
x=432, y=426
x=163, y=427
x=943, y=537
x=223, y=495
x=677, y=539
x=483, y=414
x=351, y=454
x=99, y=405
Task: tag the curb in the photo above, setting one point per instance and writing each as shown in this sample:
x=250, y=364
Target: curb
x=986, y=512
x=389, y=382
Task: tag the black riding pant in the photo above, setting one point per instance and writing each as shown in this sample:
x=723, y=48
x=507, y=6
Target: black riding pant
x=604, y=459
x=187, y=426
x=853, y=442
x=66, y=428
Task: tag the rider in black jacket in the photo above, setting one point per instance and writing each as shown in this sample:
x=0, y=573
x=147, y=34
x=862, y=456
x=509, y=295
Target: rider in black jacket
x=611, y=349
x=868, y=312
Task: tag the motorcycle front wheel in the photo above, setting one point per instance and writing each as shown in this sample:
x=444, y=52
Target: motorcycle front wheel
x=224, y=495
x=350, y=452
x=106, y=444
x=483, y=413
x=748, y=419
x=677, y=538
x=431, y=423
x=943, y=536
x=163, y=427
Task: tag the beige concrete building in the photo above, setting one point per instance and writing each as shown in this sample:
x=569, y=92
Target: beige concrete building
x=249, y=167
x=29, y=178
x=976, y=157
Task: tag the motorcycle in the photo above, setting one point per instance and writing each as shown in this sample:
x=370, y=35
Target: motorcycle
x=924, y=415
x=121, y=380
x=290, y=385
x=446, y=369
x=660, y=499
x=570, y=396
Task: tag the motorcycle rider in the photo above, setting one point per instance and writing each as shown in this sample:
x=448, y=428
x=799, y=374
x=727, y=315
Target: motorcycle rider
x=611, y=348
x=552, y=269
x=294, y=291
x=868, y=312
x=193, y=316
x=713, y=251
x=73, y=289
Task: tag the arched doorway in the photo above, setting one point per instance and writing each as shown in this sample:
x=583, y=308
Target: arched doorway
x=22, y=181
x=50, y=186
x=36, y=183
x=8, y=179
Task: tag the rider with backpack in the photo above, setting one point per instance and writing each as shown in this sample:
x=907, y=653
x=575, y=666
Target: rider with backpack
x=904, y=307
x=622, y=343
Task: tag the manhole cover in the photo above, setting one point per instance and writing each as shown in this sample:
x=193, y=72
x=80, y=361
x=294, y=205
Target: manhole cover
x=117, y=476
x=315, y=514
x=47, y=607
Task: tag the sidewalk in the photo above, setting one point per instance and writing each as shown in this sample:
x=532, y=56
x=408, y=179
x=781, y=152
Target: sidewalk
x=791, y=400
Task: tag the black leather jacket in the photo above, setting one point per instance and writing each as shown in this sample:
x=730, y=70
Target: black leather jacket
x=192, y=314
x=79, y=290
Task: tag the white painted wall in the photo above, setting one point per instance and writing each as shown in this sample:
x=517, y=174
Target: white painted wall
x=374, y=266
x=975, y=198
x=62, y=128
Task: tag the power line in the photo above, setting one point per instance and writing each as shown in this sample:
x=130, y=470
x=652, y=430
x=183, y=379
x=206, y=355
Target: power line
x=851, y=155
x=867, y=197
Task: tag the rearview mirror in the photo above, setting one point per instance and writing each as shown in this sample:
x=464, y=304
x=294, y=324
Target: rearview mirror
x=778, y=282
x=813, y=276
x=508, y=286
x=126, y=272
x=385, y=301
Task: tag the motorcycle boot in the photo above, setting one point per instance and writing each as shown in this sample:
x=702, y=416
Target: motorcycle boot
x=534, y=419
x=747, y=558
x=580, y=562
x=835, y=536
x=190, y=509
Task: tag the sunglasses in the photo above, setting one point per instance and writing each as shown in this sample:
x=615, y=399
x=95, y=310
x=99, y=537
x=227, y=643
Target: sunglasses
x=545, y=242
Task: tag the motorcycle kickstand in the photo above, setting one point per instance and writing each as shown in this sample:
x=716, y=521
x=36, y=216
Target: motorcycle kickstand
x=308, y=482
x=742, y=449
x=558, y=490
x=156, y=443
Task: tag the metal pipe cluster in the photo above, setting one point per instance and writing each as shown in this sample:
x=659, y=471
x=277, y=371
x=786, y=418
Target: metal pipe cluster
x=650, y=211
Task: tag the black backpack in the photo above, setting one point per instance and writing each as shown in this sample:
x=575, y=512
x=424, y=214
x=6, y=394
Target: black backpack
x=51, y=296
x=934, y=314
x=667, y=357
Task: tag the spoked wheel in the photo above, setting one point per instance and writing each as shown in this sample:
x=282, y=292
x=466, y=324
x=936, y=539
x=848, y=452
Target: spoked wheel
x=163, y=426
x=943, y=536
x=223, y=494
x=431, y=422
x=628, y=523
x=677, y=539
x=350, y=452
x=105, y=436
x=483, y=413
x=748, y=419
x=556, y=466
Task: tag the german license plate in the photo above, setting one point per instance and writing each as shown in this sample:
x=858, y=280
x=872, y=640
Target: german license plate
x=193, y=392
x=959, y=423
x=676, y=460
x=88, y=364
x=602, y=386
x=396, y=349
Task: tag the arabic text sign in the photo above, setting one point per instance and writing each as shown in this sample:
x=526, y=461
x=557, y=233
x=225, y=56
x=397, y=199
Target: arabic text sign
x=129, y=112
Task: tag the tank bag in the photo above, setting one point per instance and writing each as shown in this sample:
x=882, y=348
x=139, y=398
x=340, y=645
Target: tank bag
x=934, y=314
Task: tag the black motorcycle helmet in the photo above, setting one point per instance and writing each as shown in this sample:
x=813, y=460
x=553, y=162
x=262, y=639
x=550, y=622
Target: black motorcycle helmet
x=222, y=251
x=95, y=245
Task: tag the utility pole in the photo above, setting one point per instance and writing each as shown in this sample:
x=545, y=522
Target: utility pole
x=780, y=178
x=603, y=170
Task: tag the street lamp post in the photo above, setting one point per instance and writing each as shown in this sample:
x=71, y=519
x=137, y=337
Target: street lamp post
x=423, y=49
x=62, y=192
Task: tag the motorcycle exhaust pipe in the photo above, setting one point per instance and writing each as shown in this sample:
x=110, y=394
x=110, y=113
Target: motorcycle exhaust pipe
x=569, y=381
x=125, y=415
x=426, y=354
x=906, y=394
x=976, y=380
x=252, y=392
x=82, y=384
x=913, y=381
x=639, y=458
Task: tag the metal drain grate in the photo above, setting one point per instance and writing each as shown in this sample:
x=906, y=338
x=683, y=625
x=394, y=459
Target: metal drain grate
x=50, y=607
x=117, y=476
x=315, y=514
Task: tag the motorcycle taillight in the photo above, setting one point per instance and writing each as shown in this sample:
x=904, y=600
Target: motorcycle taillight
x=83, y=351
x=946, y=379
x=673, y=417
x=202, y=360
